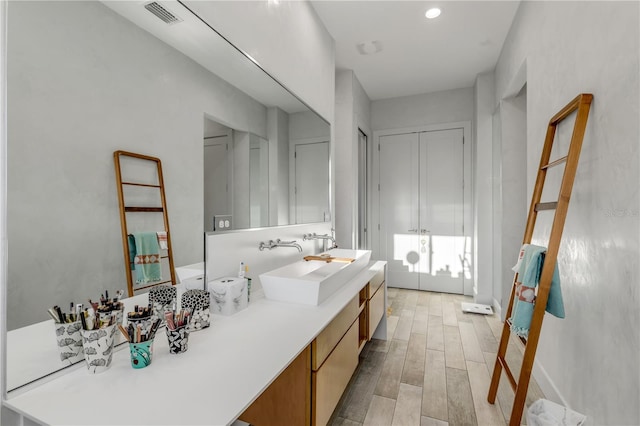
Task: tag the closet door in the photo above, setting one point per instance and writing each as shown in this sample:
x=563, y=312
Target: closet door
x=311, y=196
x=421, y=210
x=441, y=208
x=399, y=242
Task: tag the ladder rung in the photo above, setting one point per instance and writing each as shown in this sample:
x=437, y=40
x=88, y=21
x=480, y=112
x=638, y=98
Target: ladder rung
x=546, y=206
x=144, y=209
x=161, y=257
x=507, y=370
x=151, y=285
x=140, y=184
x=522, y=339
x=555, y=163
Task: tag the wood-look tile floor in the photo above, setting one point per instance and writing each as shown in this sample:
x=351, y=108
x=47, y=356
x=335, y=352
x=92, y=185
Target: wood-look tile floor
x=434, y=369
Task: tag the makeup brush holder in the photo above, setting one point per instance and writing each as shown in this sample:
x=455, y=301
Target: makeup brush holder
x=98, y=348
x=198, y=302
x=163, y=298
x=144, y=323
x=178, y=339
x=141, y=354
x=69, y=339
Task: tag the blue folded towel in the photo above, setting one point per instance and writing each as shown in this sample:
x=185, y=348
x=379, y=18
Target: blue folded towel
x=529, y=274
x=147, y=258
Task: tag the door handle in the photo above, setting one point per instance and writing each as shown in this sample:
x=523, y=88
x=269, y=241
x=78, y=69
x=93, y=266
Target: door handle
x=425, y=231
x=413, y=230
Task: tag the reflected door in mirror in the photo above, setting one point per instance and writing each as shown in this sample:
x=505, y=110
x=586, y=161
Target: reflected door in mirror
x=311, y=182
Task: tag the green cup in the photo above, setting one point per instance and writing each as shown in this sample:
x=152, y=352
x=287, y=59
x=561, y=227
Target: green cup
x=141, y=353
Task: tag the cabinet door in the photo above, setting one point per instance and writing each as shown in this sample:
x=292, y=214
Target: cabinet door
x=331, y=335
x=330, y=381
x=286, y=400
x=376, y=310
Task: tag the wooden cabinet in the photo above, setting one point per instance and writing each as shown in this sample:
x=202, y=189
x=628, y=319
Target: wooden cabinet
x=309, y=390
x=332, y=378
x=287, y=401
x=376, y=310
x=328, y=338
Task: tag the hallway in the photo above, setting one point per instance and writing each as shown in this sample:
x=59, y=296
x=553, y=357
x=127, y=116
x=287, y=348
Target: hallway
x=434, y=369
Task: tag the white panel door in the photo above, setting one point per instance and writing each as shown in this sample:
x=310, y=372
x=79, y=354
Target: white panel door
x=421, y=210
x=311, y=182
x=399, y=243
x=215, y=181
x=442, y=241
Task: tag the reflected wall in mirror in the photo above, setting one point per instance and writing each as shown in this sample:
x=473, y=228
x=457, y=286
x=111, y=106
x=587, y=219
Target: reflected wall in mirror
x=87, y=78
x=279, y=178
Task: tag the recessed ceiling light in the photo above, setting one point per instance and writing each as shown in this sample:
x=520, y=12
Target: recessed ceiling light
x=434, y=12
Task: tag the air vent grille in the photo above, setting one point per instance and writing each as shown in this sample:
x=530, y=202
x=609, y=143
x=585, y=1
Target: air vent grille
x=162, y=13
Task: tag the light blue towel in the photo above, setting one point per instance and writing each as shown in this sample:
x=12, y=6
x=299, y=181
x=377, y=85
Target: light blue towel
x=147, y=258
x=529, y=277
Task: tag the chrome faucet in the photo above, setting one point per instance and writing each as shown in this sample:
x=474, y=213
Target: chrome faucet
x=278, y=243
x=324, y=237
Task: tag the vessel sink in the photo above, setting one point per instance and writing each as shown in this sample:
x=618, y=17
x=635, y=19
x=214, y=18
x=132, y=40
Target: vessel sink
x=312, y=282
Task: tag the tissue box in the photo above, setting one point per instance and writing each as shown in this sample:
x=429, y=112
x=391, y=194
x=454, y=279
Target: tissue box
x=228, y=295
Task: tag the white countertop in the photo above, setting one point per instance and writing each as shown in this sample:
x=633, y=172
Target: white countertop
x=226, y=367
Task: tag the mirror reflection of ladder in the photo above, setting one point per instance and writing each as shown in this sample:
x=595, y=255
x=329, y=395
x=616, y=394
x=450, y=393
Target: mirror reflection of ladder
x=150, y=179
x=581, y=104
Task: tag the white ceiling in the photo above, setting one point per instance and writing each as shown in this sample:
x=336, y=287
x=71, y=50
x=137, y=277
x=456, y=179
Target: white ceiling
x=418, y=55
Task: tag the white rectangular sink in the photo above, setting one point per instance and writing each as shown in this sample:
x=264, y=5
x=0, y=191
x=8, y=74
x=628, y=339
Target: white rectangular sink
x=312, y=282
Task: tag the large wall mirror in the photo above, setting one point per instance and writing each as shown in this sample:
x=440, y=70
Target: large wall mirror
x=86, y=78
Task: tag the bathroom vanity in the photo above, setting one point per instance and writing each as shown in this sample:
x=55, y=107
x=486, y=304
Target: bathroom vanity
x=273, y=363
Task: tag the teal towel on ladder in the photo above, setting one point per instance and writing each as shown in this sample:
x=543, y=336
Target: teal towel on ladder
x=529, y=277
x=147, y=258
x=132, y=252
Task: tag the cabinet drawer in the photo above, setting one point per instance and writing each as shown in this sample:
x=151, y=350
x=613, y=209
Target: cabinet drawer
x=330, y=381
x=376, y=310
x=376, y=281
x=331, y=335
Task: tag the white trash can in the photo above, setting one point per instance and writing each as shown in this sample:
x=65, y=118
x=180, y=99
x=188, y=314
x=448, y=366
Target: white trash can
x=547, y=413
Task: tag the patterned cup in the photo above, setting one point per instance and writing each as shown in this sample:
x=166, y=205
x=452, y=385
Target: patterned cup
x=144, y=323
x=178, y=339
x=69, y=338
x=163, y=298
x=198, y=302
x=98, y=348
x=141, y=353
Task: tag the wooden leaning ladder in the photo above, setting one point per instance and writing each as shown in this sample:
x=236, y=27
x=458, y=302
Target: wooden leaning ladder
x=582, y=104
x=124, y=209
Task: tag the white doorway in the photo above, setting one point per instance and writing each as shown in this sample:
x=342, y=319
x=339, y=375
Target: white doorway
x=423, y=208
x=310, y=182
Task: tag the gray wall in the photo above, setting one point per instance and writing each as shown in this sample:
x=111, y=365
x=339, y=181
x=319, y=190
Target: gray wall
x=432, y=108
x=484, y=99
x=591, y=357
x=287, y=39
x=84, y=82
x=352, y=112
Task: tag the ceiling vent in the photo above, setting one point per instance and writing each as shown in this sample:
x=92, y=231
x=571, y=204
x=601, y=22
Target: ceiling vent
x=162, y=13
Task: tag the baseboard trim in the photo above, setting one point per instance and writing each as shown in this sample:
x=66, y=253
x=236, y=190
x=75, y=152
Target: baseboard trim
x=548, y=388
x=497, y=308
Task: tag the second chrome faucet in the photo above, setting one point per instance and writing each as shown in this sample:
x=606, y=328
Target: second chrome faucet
x=278, y=243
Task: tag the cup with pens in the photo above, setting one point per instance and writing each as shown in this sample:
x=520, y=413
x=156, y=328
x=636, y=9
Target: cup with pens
x=107, y=306
x=68, y=334
x=198, y=302
x=140, y=332
x=98, y=332
x=178, y=330
x=163, y=298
